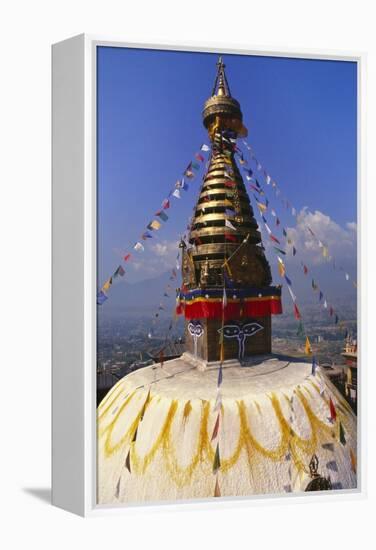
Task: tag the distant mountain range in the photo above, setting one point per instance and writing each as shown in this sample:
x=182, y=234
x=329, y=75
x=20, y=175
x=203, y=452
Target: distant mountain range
x=144, y=297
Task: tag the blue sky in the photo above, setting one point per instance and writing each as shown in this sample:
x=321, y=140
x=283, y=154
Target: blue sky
x=301, y=117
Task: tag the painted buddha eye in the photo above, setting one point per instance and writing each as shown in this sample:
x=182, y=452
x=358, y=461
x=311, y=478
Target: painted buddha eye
x=231, y=330
x=252, y=328
x=195, y=329
x=198, y=330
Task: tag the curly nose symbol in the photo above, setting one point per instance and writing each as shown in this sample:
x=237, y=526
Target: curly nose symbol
x=195, y=331
x=241, y=333
x=241, y=340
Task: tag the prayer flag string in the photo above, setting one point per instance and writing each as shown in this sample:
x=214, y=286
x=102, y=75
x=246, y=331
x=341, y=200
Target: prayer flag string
x=155, y=225
x=322, y=298
x=289, y=207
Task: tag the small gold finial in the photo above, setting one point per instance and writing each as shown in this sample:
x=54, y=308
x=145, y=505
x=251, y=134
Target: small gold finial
x=221, y=87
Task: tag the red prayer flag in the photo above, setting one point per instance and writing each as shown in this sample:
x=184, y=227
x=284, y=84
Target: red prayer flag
x=274, y=239
x=296, y=312
x=126, y=257
x=199, y=157
x=333, y=412
x=229, y=237
x=305, y=269
x=216, y=428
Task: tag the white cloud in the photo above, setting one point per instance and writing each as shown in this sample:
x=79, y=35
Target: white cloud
x=352, y=226
x=157, y=258
x=165, y=249
x=340, y=241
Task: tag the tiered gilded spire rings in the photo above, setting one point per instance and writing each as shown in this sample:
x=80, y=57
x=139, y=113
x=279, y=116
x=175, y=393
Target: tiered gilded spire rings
x=223, y=217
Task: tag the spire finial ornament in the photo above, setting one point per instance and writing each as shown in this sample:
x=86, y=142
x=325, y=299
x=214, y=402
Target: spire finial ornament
x=221, y=87
x=221, y=109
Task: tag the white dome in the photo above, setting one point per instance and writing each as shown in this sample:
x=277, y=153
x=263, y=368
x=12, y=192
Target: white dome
x=275, y=416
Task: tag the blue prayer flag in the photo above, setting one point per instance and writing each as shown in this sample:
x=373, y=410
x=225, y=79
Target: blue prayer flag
x=220, y=376
x=101, y=297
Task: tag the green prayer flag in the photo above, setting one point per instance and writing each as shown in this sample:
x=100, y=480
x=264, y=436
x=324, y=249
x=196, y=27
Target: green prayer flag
x=342, y=434
x=300, y=331
x=162, y=215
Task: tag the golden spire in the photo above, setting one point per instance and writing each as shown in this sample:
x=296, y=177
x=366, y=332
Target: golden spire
x=223, y=218
x=221, y=109
x=224, y=256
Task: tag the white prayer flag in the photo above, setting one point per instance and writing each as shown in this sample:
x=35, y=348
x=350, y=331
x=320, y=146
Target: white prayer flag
x=268, y=228
x=218, y=401
x=138, y=246
x=293, y=297
x=224, y=298
x=229, y=224
x=176, y=193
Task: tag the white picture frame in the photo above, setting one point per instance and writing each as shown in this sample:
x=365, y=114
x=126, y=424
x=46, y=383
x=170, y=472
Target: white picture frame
x=74, y=272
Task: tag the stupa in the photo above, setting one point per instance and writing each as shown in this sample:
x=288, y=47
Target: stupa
x=275, y=425
x=225, y=260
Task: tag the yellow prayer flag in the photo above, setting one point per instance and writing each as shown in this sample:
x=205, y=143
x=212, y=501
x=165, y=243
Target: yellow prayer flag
x=353, y=461
x=281, y=269
x=261, y=206
x=308, y=348
x=221, y=346
x=325, y=252
x=228, y=268
x=107, y=284
x=155, y=224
